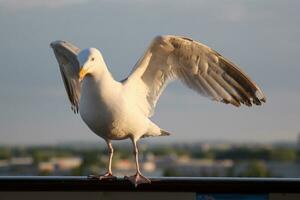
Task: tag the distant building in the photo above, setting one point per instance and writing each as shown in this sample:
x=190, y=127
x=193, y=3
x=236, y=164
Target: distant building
x=201, y=167
x=284, y=169
x=126, y=166
x=46, y=167
x=60, y=166
x=17, y=166
x=4, y=167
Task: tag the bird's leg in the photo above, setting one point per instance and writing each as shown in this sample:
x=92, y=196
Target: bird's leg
x=138, y=178
x=108, y=174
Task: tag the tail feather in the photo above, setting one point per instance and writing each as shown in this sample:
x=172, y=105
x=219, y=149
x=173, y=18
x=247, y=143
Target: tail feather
x=164, y=133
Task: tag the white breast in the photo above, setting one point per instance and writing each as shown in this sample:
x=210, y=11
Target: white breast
x=101, y=109
x=93, y=108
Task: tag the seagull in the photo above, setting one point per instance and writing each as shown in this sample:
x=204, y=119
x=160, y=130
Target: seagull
x=117, y=110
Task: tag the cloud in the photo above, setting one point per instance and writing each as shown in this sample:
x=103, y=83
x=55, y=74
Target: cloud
x=17, y=5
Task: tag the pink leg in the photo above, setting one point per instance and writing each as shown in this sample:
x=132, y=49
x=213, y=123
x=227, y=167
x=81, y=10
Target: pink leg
x=108, y=175
x=138, y=178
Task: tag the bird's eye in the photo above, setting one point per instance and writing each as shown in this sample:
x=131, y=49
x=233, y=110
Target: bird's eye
x=92, y=59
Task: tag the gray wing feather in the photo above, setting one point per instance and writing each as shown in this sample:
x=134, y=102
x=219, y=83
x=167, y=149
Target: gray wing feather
x=66, y=55
x=197, y=66
x=222, y=79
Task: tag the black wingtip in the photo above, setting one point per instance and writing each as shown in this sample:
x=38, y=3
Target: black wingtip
x=164, y=133
x=54, y=43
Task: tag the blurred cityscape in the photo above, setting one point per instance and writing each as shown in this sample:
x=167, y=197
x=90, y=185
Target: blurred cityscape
x=184, y=159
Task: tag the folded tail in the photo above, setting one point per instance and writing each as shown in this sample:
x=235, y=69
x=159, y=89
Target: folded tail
x=160, y=133
x=164, y=133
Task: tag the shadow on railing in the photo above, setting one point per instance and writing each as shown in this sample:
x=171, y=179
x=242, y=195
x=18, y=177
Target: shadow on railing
x=159, y=184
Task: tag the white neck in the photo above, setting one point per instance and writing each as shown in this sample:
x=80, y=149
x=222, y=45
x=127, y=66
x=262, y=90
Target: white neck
x=102, y=76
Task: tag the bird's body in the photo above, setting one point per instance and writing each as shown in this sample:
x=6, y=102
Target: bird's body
x=107, y=111
x=118, y=110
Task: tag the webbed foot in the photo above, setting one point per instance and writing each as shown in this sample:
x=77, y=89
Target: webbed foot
x=106, y=176
x=137, y=179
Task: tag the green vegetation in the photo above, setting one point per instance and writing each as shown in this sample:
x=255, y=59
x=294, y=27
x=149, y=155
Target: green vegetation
x=5, y=153
x=284, y=154
x=256, y=169
x=247, y=153
x=170, y=172
x=209, y=154
x=94, y=160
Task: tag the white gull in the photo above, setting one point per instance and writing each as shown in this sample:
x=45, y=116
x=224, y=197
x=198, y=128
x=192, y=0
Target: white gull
x=119, y=110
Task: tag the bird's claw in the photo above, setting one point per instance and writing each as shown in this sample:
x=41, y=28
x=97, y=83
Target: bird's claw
x=137, y=179
x=106, y=176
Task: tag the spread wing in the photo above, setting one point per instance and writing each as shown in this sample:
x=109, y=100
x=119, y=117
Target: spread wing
x=66, y=55
x=197, y=66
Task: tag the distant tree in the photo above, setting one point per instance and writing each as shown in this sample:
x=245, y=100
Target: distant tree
x=78, y=171
x=284, y=154
x=230, y=171
x=20, y=152
x=243, y=153
x=5, y=153
x=170, y=172
x=40, y=156
x=122, y=153
x=162, y=151
x=92, y=161
x=256, y=169
x=210, y=154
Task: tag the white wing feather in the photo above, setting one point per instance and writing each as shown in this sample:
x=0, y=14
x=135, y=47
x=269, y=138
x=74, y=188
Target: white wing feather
x=198, y=66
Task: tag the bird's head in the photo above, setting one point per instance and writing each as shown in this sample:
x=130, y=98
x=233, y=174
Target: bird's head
x=90, y=61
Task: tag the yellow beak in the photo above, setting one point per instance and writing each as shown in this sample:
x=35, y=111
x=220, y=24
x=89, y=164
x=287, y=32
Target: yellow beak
x=82, y=73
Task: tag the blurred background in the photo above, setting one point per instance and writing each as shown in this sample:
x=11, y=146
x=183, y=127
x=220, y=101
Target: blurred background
x=40, y=135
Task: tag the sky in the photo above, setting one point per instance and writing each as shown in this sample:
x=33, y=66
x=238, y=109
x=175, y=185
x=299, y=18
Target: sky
x=262, y=37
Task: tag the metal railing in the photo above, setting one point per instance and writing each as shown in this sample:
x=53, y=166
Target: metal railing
x=159, y=184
